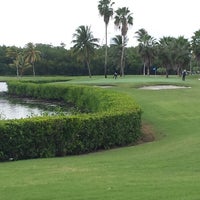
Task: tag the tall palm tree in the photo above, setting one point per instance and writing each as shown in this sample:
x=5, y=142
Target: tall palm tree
x=32, y=55
x=153, y=44
x=84, y=44
x=146, y=48
x=117, y=42
x=123, y=19
x=143, y=38
x=106, y=11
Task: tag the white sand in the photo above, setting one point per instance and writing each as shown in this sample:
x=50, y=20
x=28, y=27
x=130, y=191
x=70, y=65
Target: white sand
x=163, y=87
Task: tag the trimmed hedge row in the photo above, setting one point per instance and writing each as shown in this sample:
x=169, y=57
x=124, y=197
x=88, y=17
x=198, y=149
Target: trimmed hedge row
x=112, y=120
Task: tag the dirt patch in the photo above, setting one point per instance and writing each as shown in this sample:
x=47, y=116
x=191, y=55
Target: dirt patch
x=163, y=87
x=147, y=134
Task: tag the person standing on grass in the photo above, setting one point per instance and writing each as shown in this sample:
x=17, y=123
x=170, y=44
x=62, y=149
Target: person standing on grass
x=115, y=75
x=183, y=75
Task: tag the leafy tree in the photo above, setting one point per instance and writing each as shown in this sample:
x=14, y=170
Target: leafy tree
x=174, y=53
x=4, y=61
x=32, y=55
x=98, y=61
x=106, y=10
x=133, y=61
x=84, y=44
x=12, y=52
x=195, y=45
x=123, y=19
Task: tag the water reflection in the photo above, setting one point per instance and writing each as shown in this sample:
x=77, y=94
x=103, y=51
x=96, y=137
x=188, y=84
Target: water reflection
x=3, y=87
x=16, y=108
x=10, y=110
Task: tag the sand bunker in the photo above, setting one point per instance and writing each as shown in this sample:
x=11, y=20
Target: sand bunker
x=104, y=86
x=163, y=87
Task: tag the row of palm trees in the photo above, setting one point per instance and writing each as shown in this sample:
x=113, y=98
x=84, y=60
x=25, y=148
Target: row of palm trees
x=24, y=59
x=123, y=18
x=174, y=53
x=145, y=48
x=85, y=43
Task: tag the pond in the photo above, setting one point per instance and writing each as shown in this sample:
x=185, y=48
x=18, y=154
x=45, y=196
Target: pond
x=17, y=108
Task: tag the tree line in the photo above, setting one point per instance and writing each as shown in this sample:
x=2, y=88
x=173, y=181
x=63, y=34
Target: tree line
x=56, y=60
x=168, y=55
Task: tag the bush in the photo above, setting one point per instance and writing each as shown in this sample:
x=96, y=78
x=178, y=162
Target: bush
x=104, y=126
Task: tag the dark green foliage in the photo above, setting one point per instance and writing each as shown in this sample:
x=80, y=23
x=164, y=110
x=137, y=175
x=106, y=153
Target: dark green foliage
x=60, y=61
x=113, y=120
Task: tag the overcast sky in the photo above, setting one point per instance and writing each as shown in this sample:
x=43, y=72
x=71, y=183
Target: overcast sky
x=55, y=21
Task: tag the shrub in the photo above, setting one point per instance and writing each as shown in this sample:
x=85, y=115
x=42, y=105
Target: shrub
x=112, y=119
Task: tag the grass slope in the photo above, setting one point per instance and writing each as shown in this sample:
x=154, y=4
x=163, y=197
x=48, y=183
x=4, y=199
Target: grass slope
x=166, y=169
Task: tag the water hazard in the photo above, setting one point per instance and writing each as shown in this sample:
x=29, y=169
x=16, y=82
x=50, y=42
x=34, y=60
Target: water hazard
x=16, y=108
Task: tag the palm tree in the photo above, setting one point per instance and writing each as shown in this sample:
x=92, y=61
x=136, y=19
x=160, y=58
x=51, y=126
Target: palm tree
x=106, y=10
x=142, y=38
x=182, y=49
x=152, y=52
x=22, y=63
x=32, y=55
x=84, y=44
x=167, y=52
x=146, y=48
x=123, y=19
x=174, y=53
x=117, y=42
x=12, y=53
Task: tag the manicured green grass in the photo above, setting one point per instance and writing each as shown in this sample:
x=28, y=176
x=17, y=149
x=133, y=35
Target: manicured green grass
x=167, y=169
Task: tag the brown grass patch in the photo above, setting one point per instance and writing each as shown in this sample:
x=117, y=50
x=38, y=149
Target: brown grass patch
x=147, y=133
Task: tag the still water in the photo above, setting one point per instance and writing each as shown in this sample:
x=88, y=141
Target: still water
x=15, y=108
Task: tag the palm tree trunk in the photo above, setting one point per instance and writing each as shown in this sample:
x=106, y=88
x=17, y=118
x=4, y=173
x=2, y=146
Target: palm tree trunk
x=89, y=71
x=122, y=56
x=167, y=72
x=21, y=72
x=87, y=59
x=178, y=70
x=121, y=63
x=106, y=51
x=149, y=65
x=144, y=67
x=148, y=71
x=17, y=71
x=33, y=69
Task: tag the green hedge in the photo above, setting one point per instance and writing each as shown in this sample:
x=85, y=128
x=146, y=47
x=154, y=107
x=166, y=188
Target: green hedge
x=112, y=119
